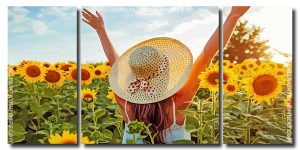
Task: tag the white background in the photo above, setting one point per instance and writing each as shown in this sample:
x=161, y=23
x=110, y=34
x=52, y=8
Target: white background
x=78, y=3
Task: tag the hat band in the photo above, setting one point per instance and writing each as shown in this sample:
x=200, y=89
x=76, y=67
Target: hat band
x=142, y=83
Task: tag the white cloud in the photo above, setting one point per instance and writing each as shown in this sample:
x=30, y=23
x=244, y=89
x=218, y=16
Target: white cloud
x=200, y=17
x=154, y=25
x=150, y=11
x=20, y=19
x=57, y=11
x=40, y=28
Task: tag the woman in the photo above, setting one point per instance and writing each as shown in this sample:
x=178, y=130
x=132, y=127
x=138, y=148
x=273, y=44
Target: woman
x=156, y=78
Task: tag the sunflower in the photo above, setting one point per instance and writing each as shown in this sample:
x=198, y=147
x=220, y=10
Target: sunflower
x=13, y=70
x=46, y=64
x=268, y=64
x=72, y=73
x=265, y=85
x=106, y=64
x=249, y=64
x=230, y=88
x=210, y=78
x=58, y=64
x=54, y=77
x=22, y=63
x=68, y=138
x=66, y=66
x=281, y=72
x=32, y=72
x=227, y=64
x=89, y=66
x=86, y=75
x=85, y=140
x=110, y=95
x=100, y=71
x=88, y=95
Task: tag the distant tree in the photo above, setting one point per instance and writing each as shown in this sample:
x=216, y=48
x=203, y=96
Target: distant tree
x=245, y=43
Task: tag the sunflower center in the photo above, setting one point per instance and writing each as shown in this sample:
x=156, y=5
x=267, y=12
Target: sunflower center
x=264, y=84
x=46, y=65
x=244, y=67
x=33, y=71
x=69, y=142
x=212, y=78
x=66, y=67
x=88, y=97
x=231, y=88
x=251, y=65
x=97, y=72
x=74, y=74
x=15, y=68
x=52, y=76
x=280, y=73
x=85, y=75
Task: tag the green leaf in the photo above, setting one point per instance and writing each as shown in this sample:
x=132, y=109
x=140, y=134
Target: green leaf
x=99, y=113
x=19, y=133
x=39, y=110
x=193, y=120
x=106, y=134
x=18, y=129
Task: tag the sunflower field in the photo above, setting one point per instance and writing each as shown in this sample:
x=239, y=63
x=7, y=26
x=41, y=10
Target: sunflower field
x=103, y=123
x=257, y=102
x=41, y=103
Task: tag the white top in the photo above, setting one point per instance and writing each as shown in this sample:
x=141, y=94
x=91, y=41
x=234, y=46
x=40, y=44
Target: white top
x=173, y=133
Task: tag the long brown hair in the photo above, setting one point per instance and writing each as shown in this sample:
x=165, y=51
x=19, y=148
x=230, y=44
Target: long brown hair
x=154, y=114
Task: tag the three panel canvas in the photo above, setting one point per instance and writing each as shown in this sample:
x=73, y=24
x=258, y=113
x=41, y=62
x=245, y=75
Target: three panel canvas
x=150, y=75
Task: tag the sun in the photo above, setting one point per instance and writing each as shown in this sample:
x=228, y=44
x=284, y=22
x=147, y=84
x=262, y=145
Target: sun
x=54, y=77
x=265, y=85
x=32, y=71
x=88, y=95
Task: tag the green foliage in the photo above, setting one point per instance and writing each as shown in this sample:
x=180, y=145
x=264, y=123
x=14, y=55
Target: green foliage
x=266, y=123
x=101, y=119
x=39, y=111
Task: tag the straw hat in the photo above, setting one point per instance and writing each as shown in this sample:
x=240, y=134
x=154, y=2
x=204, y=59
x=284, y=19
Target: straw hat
x=151, y=71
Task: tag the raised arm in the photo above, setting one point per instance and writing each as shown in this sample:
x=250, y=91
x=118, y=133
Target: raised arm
x=96, y=22
x=209, y=51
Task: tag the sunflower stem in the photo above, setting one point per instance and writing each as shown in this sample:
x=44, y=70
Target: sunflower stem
x=213, y=114
x=34, y=125
x=247, y=136
x=200, y=131
x=134, y=139
x=94, y=116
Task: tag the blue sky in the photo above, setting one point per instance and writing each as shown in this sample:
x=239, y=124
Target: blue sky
x=41, y=33
x=126, y=26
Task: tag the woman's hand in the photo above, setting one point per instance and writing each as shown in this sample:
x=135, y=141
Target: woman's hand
x=238, y=11
x=95, y=21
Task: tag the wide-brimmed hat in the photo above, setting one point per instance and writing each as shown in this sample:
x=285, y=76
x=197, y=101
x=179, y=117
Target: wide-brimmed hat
x=151, y=71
